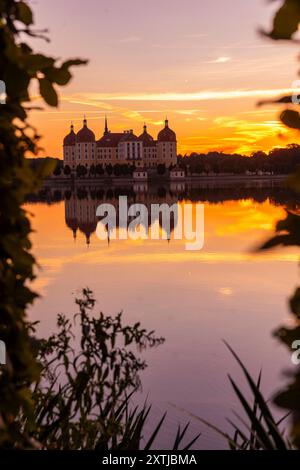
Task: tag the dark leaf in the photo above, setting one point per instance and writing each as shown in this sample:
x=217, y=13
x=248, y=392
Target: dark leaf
x=48, y=92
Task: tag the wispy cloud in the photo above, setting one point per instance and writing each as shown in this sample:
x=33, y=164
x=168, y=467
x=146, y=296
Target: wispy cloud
x=123, y=112
x=88, y=102
x=220, y=60
x=95, y=98
x=188, y=112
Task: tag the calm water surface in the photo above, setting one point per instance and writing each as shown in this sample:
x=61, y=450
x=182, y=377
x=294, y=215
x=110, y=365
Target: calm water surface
x=193, y=299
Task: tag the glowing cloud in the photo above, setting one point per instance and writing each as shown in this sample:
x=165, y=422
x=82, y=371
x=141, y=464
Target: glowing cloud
x=182, y=96
x=221, y=60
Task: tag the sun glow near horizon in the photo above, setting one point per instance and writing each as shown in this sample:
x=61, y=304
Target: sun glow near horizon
x=199, y=129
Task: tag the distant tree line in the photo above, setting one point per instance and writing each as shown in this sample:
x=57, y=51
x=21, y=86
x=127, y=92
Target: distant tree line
x=119, y=169
x=278, y=161
x=107, y=170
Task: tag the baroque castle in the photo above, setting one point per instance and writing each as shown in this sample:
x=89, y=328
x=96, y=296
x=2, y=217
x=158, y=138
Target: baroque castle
x=113, y=148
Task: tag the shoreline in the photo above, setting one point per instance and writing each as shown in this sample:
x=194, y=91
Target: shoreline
x=162, y=180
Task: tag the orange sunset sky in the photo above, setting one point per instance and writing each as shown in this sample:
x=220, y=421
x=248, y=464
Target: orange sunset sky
x=201, y=63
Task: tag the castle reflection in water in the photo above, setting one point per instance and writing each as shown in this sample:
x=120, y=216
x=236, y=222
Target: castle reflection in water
x=81, y=202
x=81, y=205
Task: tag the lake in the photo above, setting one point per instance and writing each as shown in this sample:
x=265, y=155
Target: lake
x=192, y=298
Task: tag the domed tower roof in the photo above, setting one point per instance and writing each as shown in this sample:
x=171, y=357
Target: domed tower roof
x=73, y=225
x=147, y=139
x=85, y=134
x=70, y=139
x=87, y=228
x=166, y=134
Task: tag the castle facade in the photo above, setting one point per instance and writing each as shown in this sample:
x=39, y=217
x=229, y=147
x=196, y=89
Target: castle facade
x=113, y=148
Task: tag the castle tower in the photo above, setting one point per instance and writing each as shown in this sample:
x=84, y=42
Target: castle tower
x=85, y=146
x=149, y=149
x=167, y=146
x=69, y=149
